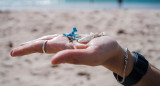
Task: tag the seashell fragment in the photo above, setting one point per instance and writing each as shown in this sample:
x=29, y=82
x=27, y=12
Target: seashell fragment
x=86, y=38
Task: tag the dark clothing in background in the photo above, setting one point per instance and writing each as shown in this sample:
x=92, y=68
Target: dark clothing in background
x=120, y=1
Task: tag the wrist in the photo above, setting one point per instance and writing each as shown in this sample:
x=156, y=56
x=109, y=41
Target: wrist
x=138, y=72
x=116, y=63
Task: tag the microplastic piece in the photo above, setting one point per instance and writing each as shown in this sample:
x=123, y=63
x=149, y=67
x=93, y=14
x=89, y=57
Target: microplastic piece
x=72, y=36
x=75, y=29
x=88, y=37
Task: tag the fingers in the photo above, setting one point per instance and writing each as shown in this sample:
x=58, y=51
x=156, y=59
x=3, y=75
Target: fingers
x=48, y=37
x=36, y=47
x=52, y=46
x=73, y=56
x=28, y=49
x=22, y=44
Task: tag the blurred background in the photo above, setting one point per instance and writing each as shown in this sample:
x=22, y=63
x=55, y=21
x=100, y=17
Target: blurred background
x=133, y=23
x=83, y=4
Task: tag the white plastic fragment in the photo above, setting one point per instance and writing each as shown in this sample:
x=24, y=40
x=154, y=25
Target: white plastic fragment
x=86, y=38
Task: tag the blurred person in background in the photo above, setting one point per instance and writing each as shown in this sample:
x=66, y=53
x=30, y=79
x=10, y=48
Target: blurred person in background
x=120, y=3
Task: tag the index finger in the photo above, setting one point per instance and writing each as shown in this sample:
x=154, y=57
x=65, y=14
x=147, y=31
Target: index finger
x=28, y=49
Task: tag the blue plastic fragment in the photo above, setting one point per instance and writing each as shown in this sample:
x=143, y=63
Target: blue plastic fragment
x=64, y=35
x=72, y=36
x=74, y=29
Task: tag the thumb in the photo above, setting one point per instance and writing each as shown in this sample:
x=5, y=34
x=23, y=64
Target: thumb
x=73, y=56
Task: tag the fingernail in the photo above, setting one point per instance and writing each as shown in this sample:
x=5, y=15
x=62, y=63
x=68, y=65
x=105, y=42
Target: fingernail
x=53, y=63
x=11, y=53
x=56, y=62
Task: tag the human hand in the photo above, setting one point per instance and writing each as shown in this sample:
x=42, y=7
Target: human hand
x=96, y=52
x=99, y=51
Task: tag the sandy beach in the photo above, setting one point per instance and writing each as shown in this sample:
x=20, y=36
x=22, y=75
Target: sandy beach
x=139, y=30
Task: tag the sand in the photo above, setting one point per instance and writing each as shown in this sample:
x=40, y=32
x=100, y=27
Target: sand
x=138, y=30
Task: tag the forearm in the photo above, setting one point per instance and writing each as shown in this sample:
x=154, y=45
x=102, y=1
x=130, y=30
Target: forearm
x=151, y=78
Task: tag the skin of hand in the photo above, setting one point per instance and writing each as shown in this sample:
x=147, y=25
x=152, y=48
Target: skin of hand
x=99, y=51
x=94, y=53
